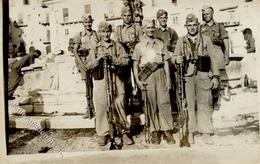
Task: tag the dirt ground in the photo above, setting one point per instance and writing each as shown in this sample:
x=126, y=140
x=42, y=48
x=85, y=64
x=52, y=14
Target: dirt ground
x=233, y=127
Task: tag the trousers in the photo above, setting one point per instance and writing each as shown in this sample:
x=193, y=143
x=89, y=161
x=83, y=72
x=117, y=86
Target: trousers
x=199, y=101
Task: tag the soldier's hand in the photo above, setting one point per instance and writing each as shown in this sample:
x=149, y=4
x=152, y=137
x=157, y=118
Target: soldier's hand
x=168, y=87
x=141, y=85
x=214, y=83
x=179, y=60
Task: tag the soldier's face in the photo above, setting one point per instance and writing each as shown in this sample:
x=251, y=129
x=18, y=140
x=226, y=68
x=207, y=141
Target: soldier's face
x=207, y=15
x=192, y=27
x=163, y=20
x=105, y=34
x=127, y=17
x=87, y=24
x=149, y=29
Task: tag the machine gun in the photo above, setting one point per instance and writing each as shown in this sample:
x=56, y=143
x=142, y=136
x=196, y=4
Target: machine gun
x=182, y=108
x=110, y=88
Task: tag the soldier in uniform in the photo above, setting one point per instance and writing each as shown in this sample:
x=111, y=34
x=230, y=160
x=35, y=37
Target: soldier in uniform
x=169, y=37
x=153, y=52
x=83, y=41
x=128, y=35
x=165, y=33
x=219, y=38
x=196, y=52
x=111, y=50
x=15, y=64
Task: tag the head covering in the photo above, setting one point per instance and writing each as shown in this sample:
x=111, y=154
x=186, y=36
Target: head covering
x=247, y=31
x=125, y=9
x=161, y=12
x=205, y=7
x=148, y=21
x=191, y=18
x=104, y=26
x=86, y=17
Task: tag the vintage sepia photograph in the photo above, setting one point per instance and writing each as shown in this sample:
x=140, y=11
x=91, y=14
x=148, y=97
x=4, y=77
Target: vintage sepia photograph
x=130, y=81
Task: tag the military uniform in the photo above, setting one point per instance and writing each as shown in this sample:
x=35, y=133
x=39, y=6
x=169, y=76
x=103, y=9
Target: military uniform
x=119, y=59
x=198, y=80
x=84, y=40
x=169, y=37
x=217, y=34
x=128, y=35
x=158, y=99
x=14, y=73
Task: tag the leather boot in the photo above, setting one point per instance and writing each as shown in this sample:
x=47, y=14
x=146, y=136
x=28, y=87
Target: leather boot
x=156, y=138
x=169, y=137
x=127, y=139
x=103, y=140
x=207, y=139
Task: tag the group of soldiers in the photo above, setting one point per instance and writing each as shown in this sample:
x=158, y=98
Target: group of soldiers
x=142, y=58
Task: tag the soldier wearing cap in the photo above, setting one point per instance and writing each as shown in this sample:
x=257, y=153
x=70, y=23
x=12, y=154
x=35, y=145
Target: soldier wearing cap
x=128, y=34
x=169, y=37
x=195, y=51
x=83, y=41
x=111, y=50
x=165, y=33
x=152, y=53
x=219, y=38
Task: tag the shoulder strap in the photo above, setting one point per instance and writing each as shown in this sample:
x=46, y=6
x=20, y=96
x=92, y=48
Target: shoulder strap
x=80, y=35
x=119, y=33
x=136, y=34
x=170, y=33
x=202, y=44
x=96, y=35
x=114, y=45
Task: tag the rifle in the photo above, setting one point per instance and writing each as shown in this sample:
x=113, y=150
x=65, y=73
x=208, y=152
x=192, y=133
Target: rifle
x=182, y=108
x=110, y=106
x=146, y=113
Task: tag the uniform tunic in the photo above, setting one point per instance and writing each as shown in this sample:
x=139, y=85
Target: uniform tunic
x=158, y=100
x=168, y=36
x=85, y=40
x=14, y=73
x=217, y=34
x=128, y=34
x=120, y=59
x=198, y=85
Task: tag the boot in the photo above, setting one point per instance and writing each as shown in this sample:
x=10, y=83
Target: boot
x=127, y=139
x=191, y=138
x=156, y=138
x=103, y=140
x=207, y=139
x=169, y=137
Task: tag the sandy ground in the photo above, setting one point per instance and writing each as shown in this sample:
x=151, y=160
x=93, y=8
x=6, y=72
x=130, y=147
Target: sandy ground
x=236, y=124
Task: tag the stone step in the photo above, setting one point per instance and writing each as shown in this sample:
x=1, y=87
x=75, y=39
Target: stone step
x=60, y=108
x=55, y=122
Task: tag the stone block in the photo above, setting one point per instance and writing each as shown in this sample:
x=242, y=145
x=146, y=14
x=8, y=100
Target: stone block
x=27, y=122
x=69, y=122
